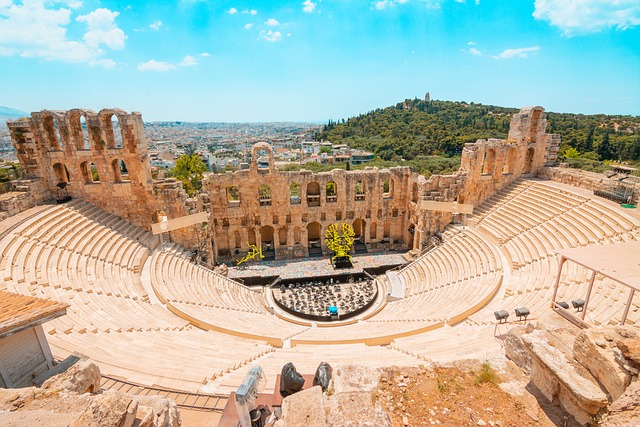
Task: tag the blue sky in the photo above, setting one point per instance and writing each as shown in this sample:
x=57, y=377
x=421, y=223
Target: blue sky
x=313, y=60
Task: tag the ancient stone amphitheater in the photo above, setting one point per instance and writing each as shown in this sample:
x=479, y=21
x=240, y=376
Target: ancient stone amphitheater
x=149, y=315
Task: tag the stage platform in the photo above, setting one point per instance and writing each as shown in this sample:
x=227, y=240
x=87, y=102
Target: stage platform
x=314, y=267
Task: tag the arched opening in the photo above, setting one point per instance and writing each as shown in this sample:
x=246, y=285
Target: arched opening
x=264, y=195
x=94, y=172
x=510, y=161
x=52, y=134
x=120, y=172
x=313, y=239
x=86, y=143
x=282, y=236
x=266, y=239
x=294, y=193
x=89, y=173
x=414, y=192
x=233, y=194
x=373, y=231
x=297, y=235
x=358, y=228
x=387, y=188
x=412, y=232
x=117, y=131
x=61, y=172
x=332, y=192
x=528, y=163
x=489, y=162
x=313, y=194
x=359, y=190
x=251, y=236
x=238, y=241
x=387, y=231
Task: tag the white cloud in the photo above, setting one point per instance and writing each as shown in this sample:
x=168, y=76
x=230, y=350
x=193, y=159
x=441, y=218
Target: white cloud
x=472, y=43
x=153, y=65
x=102, y=29
x=521, y=52
x=156, y=25
x=383, y=4
x=250, y=12
x=205, y=54
x=308, y=6
x=188, y=61
x=272, y=22
x=232, y=11
x=271, y=36
x=575, y=17
x=248, y=26
x=38, y=29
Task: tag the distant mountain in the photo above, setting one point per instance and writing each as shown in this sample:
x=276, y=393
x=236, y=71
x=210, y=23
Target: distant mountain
x=12, y=113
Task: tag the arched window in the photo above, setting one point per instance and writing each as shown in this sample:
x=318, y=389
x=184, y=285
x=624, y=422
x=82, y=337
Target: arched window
x=313, y=194
x=359, y=190
x=89, y=173
x=282, y=236
x=387, y=230
x=297, y=235
x=61, y=172
x=294, y=193
x=528, y=163
x=510, y=161
x=489, y=161
x=84, y=129
x=332, y=192
x=373, y=231
x=117, y=131
x=264, y=195
x=387, y=189
x=52, y=134
x=233, y=194
x=120, y=171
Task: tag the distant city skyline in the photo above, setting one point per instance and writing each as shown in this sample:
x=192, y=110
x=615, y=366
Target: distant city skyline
x=315, y=60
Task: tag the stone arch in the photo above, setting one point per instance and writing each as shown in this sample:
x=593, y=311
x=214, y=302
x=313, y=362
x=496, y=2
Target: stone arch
x=313, y=194
x=78, y=125
x=414, y=192
x=331, y=192
x=119, y=170
x=51, y=131
x=89, y=172
x=387, y=230
x=266, y=236
x=313, y=231
x=282, y=236
x=61, y=173
x=262, y=157
x=112, y=130
x=528, y=160
x=251, y=236
x=509, y=166
x=373, y=231
x=489, y=161
x=359, y=226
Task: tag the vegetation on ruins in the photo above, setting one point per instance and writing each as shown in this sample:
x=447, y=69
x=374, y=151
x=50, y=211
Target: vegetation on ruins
x=189, y=169
x=415, y=129
x=10, y=171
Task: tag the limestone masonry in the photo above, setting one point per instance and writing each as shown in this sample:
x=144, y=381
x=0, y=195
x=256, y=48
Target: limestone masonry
x=287, y=212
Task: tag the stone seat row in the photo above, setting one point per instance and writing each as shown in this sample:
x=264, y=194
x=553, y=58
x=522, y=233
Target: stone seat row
x=182, y=359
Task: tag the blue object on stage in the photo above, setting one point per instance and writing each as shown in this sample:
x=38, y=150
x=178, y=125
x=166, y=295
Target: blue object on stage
x=333, y=309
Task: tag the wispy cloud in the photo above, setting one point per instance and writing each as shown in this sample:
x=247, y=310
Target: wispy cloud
x=187, y=61
x=232, y=11
x=248, y=26
x=38, y=29
x=308, y=6
x=271, y=36
x=576, y=17
x=156, y=25
x=272, y=22
x=153, y=65
x=250, y=12
x=521, y=52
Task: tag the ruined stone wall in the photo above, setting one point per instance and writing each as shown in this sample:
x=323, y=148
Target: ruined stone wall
x=25, y=195
x=104, y=160
x=576, y=177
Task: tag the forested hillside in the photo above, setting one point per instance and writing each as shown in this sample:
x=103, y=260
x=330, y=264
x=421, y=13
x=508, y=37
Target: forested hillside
x=417, y=128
